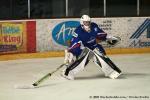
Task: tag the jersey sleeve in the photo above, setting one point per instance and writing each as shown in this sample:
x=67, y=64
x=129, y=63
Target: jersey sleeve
x=101, y=35
x=75, y=46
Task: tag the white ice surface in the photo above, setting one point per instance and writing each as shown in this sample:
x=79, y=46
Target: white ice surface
x=135, y=80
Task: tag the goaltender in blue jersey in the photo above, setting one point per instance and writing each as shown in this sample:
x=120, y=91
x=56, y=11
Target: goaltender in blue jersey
x=86, y=35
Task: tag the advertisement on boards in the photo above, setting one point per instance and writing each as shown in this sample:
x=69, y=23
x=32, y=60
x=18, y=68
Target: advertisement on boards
x=12, y=37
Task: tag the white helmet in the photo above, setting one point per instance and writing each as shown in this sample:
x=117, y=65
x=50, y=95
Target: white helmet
x=85, y=22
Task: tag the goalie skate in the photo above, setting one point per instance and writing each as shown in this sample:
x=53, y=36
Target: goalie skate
x=69, y=77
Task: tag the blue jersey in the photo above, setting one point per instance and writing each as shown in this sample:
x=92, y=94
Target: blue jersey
x=86, y=39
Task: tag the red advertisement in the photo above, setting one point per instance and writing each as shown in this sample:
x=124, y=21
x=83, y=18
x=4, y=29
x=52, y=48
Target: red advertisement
x=15, y=37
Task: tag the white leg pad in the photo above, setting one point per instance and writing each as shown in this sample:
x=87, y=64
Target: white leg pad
x=106, y=68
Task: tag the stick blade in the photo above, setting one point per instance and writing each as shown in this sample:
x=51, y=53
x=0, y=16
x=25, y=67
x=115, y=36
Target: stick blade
x=24, y=86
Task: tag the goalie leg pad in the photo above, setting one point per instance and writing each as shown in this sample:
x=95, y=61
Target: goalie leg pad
x=114, y=75
x=107, y=66
x=79, y=64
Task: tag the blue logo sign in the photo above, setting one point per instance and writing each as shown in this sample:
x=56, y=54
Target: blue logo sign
x=135, y=36
x=141, y=29
x=62, y=33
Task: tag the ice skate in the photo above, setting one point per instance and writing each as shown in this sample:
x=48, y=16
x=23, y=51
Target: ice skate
x=68, y=77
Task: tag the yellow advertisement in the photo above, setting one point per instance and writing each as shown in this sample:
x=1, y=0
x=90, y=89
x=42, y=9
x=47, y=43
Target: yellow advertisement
x=12, y=37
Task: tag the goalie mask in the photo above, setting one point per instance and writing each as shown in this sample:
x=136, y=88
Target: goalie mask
x=85, y=22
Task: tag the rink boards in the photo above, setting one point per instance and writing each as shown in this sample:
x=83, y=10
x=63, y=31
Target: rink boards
x=61, y=53
x=51, y=35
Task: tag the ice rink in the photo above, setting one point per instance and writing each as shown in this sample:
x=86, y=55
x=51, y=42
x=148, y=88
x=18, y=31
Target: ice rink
x=89, y=84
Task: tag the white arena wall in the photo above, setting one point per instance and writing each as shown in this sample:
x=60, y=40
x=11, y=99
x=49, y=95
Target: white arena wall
x=134, y=32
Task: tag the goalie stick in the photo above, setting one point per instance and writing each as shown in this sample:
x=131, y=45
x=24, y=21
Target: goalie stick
x=38, y=82
x=46, y=76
